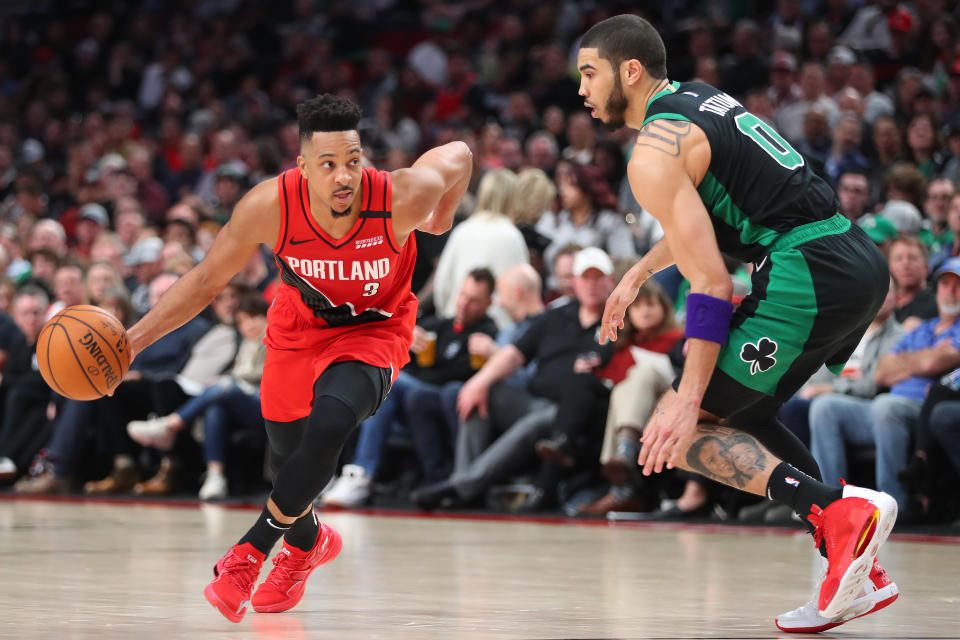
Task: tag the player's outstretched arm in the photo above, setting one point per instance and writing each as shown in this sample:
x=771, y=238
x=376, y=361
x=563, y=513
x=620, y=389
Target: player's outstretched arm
x=255, y=220
x=426, y=195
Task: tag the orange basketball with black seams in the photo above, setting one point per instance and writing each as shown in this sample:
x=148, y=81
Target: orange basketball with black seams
x=82, y=352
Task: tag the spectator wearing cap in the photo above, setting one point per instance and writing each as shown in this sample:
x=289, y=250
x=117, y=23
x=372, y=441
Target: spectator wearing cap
x=880, y=230
x=488, y=407
x=908, y=266
x=904, y=216
x=91, y=221
x=887, y=421
x=790, y=119
x=783, y=89
x=875, y=104
x=935, y=232
x=950, y=249
x=853, y=191
x=146, y=259
x=230, y=185
x=839, y=66
x=845, y=152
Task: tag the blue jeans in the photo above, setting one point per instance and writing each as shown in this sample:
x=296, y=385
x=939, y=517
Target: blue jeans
x=886, y=423
x=795, y=416
x=432, y=423
x=225, y=407
x=375, y=430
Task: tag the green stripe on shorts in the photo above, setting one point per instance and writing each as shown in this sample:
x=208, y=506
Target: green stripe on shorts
x=761, y=350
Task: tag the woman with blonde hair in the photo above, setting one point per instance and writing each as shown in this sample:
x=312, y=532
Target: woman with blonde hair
x=488, y=238
x=536, y=194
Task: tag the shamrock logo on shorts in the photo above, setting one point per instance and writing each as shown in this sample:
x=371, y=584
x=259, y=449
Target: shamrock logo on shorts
x=760, y=355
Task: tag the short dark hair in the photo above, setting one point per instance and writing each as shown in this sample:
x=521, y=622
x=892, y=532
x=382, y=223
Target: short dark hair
x=484, y=276
x=628, y=37
x=253, y=304
x=327, y=112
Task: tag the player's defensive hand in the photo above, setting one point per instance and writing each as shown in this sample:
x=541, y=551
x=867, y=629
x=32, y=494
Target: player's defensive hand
x=616, y=307
x=673, y=423
x=472, y=397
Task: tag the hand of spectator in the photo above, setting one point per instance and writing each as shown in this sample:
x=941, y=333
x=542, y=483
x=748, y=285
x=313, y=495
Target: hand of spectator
x=472, y=397
x=419, y=339
x=51, y=411
x=482, y=345
x=586, y=364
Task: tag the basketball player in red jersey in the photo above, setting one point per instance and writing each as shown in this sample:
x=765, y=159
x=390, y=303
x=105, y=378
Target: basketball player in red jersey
x=338, y=331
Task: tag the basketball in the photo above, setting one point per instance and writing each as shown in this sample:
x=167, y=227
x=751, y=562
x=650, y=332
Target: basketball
x=82, y=352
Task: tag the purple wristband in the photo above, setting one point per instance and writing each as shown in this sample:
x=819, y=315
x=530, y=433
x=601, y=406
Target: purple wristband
x=708, y=318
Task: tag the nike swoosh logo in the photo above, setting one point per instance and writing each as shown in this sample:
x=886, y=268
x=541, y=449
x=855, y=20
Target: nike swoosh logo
x=294, y=241
x=270, y=522
x=295, y=584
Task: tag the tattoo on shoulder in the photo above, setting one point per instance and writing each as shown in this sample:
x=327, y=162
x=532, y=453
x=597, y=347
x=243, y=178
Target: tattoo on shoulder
x=726, y=455
x=664, y=135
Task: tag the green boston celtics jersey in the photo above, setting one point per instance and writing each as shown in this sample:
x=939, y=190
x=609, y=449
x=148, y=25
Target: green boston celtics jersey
x=757, y=187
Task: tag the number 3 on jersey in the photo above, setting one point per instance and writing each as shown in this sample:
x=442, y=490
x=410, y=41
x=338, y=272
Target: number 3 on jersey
x=371, y=288
x=769, y=140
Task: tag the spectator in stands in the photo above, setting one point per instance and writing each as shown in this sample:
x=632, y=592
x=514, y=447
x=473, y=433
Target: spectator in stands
x=229, y=403
x=146, y=260
x=442, y=356
x=923, y=147
x=24, y=426
x=91, y=221
x=876, y=104
x=888, y=153
x=534, y=195
x=789, y=118
x=880, y=231
x=639, y=372
x=908, y=266
x=952, y=248
x=488, y=238
x=588, y=217
x=936, y=233
x=560, y=291
x=887, y=421
x=500, y=423
x=542, y=152
x=853, y=191
x=845, y=152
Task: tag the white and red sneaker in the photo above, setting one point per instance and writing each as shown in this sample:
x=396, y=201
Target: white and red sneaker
x=879, y=592
x=284, y=587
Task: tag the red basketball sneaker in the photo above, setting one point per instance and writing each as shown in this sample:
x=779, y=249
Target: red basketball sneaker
x=234, y=577
x=284, y=587
x=879, y=592
x=848, y=527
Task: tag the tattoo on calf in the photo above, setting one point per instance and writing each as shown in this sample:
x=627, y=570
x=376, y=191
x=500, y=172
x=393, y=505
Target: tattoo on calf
x=726, y=455
x=664, y=135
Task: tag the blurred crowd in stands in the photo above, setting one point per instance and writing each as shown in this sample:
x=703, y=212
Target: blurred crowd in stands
x=128, y=131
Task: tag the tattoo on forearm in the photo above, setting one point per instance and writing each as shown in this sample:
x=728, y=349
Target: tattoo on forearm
x=726, y=455
x=664, y=135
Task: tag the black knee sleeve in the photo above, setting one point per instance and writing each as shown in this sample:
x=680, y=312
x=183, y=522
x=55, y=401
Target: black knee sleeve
x=284, y=439
x=311, y=465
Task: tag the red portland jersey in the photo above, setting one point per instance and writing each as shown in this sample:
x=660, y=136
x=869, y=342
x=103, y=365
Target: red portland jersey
x=340, y=299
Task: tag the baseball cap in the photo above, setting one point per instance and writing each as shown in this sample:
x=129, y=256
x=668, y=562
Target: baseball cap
x=900, y=20
x=842, y=55
x=904, y=216
x=144, y=251
x=95, y=212
x=592, y=258
x=877, y=227
x=950, y=265
x=231, y=170
x=112, y=162
x=783, y=60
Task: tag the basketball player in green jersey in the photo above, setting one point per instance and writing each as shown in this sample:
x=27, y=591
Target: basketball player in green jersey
x=719, y=179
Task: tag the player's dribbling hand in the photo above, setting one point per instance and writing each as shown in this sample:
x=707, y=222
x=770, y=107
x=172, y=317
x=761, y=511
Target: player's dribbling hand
x=616, y=307
x=472, y=397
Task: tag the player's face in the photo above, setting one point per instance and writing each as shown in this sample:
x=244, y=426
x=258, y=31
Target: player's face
x=331, y=163
x=601, y=88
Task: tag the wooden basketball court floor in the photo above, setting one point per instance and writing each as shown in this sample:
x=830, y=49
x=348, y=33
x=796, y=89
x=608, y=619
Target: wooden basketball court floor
x=94, y=570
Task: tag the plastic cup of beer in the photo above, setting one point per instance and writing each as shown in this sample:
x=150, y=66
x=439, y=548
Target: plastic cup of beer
x=477, y=360
x=428, y=355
